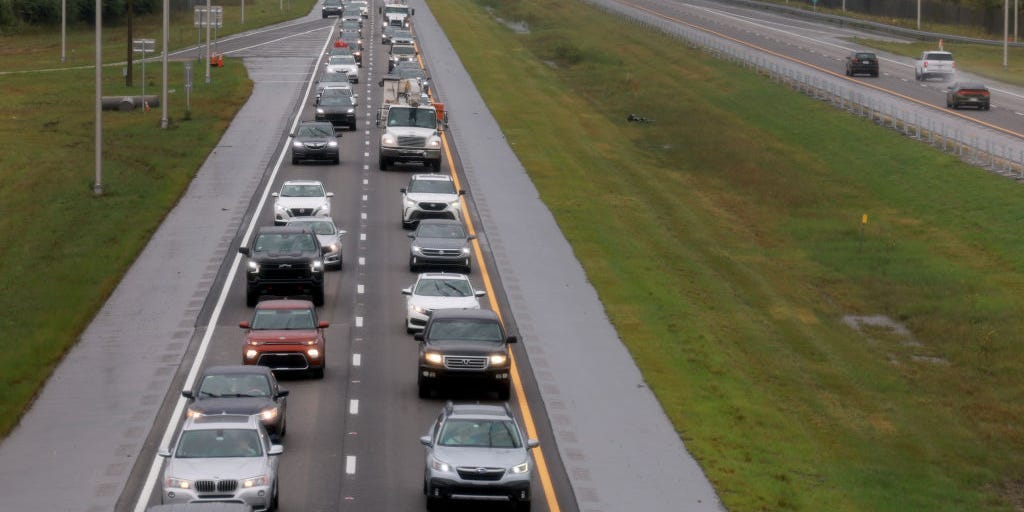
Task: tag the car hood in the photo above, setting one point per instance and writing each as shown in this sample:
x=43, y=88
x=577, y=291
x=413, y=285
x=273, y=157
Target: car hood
x=336, y=108
x=343, y=68
x=411, y=131
x=301, y=202
x=315, y=140
x=433, y=303
x=459, y=456
x=422, y=197
x=217, y=468
x=440, y=243
x=462, y=347
x=282, y=337
x=274, y=258
x=326, y=240
x=232, y=405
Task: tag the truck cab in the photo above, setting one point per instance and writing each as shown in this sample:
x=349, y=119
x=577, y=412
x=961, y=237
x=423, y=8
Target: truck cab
x=411, y=133
x=396, y=15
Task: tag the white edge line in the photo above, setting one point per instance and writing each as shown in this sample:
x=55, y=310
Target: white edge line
x=157, y=463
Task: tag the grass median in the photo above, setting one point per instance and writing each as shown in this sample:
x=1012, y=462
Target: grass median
x=809, y=361
x=65, y=250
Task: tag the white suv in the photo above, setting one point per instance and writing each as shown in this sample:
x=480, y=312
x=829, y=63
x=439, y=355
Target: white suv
x=301, y=198
x=430, y=196
x=934, y=63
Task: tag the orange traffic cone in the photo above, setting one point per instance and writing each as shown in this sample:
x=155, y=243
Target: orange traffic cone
x=220, y=61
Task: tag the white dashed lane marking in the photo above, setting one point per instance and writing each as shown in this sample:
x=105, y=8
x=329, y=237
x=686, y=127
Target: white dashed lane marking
x=357, y=359
x=350, y=465
x=353, y=406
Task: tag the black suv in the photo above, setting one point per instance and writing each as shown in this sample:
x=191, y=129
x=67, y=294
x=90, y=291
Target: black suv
x=331, y=8
x=464, y=345
x=284, y=260
x=861, y=63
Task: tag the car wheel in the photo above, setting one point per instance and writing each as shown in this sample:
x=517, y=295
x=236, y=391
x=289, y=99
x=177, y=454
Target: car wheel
x=318, y=373
x=423, y=388
x=274, y=501
x=505, y=392
x=352, y=127
x=413, y=267
x=468, y=269
x=337, y=160
x=318, y=297
x=435, y=165
x=434, y=504
x=295, y=160
x=382, y=163
x=407, y=224
x=875, y=74
x=522, y=506
x=284, y=428
x=251, y=298
x=985, y=107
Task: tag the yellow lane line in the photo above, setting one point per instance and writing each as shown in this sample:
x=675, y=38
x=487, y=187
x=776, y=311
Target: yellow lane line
x=821, y=69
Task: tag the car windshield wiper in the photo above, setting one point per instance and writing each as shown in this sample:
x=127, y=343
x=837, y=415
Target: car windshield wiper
x=457, y=291
x=211, y=395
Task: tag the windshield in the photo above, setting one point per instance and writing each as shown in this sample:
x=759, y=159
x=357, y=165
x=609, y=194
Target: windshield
x=343, y=59
x=413, y=117
x=276, y=242
x=402, y=50
x=397, y=9
x=315, y=131
x=466, y=330
x=479, y=434
x=218, y=443
x=234, y=385
x=302, y=191
x=282, y=319
x=440, y=231
x=336, y=99
x=320, y=227
x=444, y=288
x=432, y=186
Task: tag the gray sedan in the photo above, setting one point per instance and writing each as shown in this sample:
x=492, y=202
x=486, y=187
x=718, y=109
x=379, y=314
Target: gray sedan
x=315, y=140
x=329, y=236
x=440, y=243
x=222, y=458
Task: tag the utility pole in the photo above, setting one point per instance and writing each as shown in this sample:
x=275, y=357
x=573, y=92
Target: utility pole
x=131, y=35
x=209, y=12
x=97, y=186
x=1006, y=34
x=63, y=30
x=163, y=94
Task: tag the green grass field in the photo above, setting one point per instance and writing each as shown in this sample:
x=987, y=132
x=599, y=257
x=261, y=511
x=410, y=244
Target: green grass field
x=65, y=250
x=725, y=241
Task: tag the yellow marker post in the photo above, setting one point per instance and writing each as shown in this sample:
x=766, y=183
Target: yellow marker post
x=863, y=222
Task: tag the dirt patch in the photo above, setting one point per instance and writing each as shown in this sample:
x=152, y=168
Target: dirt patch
x=880, y=329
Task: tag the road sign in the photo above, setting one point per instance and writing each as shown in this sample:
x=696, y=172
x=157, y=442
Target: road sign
x=144, y=46
x=216, y=17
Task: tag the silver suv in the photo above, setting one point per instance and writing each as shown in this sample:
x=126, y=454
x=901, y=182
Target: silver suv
x=430, y=196
x=477, y=452
x=222, y=458
x=934, y=63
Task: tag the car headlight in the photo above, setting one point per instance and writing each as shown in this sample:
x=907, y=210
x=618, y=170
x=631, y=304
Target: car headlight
x=255, y=481
x=319, y=111
x=388, y=140
x=421, y=310
x=317, y=266
x=279, y=208
x=251, y=354
x=410, y=203
x=332, y=144
x=522, y=468
x=456, y=203
x=434, y=143
x=433, y=357
x=333, y=248
x=439, y=465
x=465, y=250
x=313, y=353
x=254, y=267
x=498, y=358
x=177, y=483
x=269, y=414
x=192, y=413
x=349, y=111
x=298, y=144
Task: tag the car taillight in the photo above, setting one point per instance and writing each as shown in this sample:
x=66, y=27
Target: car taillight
x=984, y=93
x=925, y=64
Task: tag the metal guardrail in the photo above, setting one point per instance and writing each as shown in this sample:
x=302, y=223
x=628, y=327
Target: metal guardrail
x=996, y=152
x=847, y=21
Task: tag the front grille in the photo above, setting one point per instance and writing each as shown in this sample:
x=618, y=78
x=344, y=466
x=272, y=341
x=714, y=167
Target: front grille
x=481, y=474
x=417, y=215
x=285, y=271
x=205, y=486
x=300, y=212
x=465, y=362
x=294, y=361
x=412, y=141
x=433, y=206
x=315, y=145
x=441, y=252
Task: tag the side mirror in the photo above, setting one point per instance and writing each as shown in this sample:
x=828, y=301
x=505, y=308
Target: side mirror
x=471, y=237
x=163, y=452
x=274, y=194
x=291, y=135
x=480, y=293
x=243, y=325
x=407, y=291
x=412, y=12
x=275, y=449
x=462, y=192
x=402, y=190
x=323, y=325
x=512, y=339
x=188, y=394
x=281, y=393
x=425, y=440
x=411, y=235
x=330, y=194
x=342, y=232
x=243, y=250
x=532, y=443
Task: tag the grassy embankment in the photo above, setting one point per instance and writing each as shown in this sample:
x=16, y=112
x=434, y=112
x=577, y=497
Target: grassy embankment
x=64, y=250
x=725, y=242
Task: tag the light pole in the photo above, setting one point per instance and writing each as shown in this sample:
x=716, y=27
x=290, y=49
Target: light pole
x=163, y=93
x=63, y=30
x=97, y=186
x=208, y=13
x=919, y=14
x=1006, y=34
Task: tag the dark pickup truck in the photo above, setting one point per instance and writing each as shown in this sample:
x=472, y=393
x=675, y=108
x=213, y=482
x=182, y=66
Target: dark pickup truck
x=464, y=346
x=284, y=261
